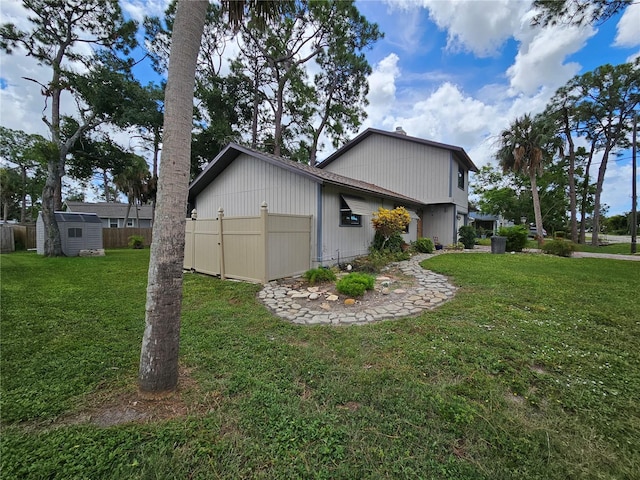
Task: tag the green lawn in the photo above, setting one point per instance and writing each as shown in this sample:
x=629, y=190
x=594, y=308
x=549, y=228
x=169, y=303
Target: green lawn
x=532, y=371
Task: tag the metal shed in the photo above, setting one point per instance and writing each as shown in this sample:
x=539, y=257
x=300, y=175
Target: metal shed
x=78, y=231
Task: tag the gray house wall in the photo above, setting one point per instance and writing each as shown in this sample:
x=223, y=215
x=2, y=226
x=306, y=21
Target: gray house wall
x=415, y=170
x=340, y=243
x=424, y=172
x=247, y=182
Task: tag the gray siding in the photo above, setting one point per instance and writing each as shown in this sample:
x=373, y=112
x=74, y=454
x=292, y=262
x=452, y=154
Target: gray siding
x=247, y=182
x=440, y=223
x=417, y=171
x=345, y=243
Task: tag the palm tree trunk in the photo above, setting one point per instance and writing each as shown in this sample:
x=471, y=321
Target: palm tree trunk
x=158, y=373
x=537, y=213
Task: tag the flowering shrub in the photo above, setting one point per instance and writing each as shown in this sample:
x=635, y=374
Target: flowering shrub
x=390, y=222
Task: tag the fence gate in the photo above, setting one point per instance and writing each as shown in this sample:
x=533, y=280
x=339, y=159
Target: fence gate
x=255, y=249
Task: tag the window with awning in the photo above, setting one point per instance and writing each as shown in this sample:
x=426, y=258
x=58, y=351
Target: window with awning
x=352, y=209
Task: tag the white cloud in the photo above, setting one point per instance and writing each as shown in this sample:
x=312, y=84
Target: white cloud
x=382, y=89
x=629, y=27
x=138, y=9
x=473, y=26
x=539, y=63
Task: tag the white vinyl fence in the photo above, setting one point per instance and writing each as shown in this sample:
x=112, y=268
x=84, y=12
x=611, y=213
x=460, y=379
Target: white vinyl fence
x=255, y=249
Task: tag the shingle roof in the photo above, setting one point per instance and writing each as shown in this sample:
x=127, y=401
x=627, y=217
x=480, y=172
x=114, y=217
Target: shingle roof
x=457, y=151
x=111, y=209
x=232, y=150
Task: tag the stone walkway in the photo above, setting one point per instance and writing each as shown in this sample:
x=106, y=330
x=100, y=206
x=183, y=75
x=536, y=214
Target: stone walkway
x=308, y=307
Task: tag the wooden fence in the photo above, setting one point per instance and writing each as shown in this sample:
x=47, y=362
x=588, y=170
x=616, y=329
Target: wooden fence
x=25, y=236
x=255, y=249
x=119, y=237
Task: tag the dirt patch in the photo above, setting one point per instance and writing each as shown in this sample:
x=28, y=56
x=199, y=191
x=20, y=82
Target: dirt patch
x=114, y=408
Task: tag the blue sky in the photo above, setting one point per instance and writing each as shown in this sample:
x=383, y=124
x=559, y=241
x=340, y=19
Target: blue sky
x=456, y=71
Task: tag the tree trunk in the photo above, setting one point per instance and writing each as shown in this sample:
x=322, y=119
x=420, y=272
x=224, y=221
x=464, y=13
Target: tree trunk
x=52, y=240
x=585, y=195
x=572, y=180
x=536, y=209
x=596, y=202
x=158, y=373
x=277, y=136
x=23, y=192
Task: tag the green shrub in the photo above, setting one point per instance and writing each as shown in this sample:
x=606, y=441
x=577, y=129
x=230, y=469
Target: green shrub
x=559, y=234
x=516, y=237
x=467, y=235
x=393, y=244
x=355, y=284
x=319, y=275
x=423, y=245
x=559, y=247
x=136, y=241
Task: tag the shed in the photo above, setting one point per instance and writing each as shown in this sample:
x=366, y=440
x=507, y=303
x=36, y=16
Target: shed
x=78, y=231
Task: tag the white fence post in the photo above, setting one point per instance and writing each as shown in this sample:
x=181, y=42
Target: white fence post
x=221, y=242
x=264, y=224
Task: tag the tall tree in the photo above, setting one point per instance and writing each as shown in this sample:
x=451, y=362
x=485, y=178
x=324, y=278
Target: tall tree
x=608, y=98
x=158, y=374
x=133, y=180
x=161, y=341
x=28, y=153
x=524, y=147
x=330, y=34
x=60, y=29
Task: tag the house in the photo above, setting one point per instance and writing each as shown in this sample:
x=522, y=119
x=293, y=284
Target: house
x=113, y=214
x=78, y=231
x=240, y=179
x=435, y=174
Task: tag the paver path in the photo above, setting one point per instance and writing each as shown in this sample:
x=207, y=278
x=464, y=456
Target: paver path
x=305, y=308
x=432, y=290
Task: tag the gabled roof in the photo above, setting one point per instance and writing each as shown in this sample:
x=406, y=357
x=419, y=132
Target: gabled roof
x=111, y=209
x=458, y=152
x=231, y=151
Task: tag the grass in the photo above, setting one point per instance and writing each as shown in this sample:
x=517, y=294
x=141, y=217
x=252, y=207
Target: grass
x=532, y=371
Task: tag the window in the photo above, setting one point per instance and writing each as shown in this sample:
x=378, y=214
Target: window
x=113, y=223
x=75, y=233
x=347, y=217
x=461, y=178
x=130, y=222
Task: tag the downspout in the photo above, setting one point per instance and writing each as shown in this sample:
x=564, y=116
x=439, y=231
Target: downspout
x=319, y=223
x=451, y=162
x=455, y=223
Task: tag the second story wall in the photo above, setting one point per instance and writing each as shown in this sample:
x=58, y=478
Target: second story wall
x=419, y=171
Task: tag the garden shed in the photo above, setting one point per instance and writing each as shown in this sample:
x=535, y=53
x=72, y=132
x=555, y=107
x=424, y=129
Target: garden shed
x=78, y=231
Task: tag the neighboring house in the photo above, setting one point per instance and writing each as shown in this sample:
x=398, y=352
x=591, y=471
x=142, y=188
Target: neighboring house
x=485, y=222
x=78, y=231
x=240, y=179
x=113, y=214
x=435, y=174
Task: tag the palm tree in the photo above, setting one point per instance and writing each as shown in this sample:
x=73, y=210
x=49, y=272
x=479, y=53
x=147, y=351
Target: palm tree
x=158, y=374
x=133, y=181
x=523, y=147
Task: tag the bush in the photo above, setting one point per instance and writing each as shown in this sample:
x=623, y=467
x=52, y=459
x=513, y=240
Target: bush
x=559, y=247
x=467, y=235
x=136, y=241
x=423, y=245
x=516, y=237
x=319, y=275
x=393, y=243
x=355, y=284
x=559, y=234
